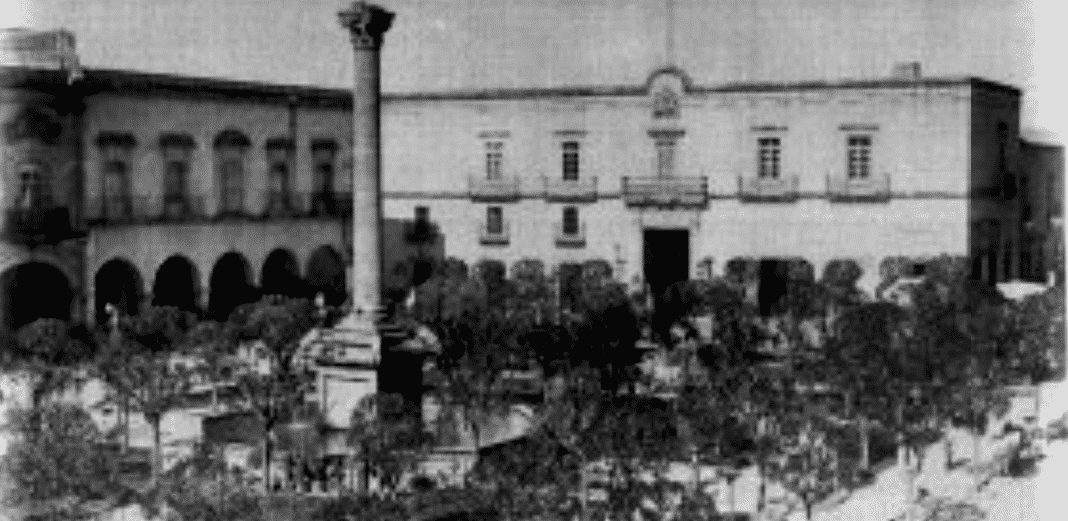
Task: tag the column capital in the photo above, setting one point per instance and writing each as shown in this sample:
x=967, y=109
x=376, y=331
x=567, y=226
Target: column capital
x=367, y=23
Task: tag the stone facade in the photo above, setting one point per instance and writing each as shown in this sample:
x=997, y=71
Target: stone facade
x=933, y=158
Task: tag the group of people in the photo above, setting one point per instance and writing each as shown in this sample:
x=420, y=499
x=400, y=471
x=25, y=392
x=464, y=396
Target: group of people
x=312, y=475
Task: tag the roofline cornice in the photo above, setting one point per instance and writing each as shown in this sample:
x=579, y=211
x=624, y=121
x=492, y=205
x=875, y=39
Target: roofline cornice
x=126, y=81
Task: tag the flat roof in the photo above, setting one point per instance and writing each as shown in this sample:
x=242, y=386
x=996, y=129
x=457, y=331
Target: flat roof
x=94, y=81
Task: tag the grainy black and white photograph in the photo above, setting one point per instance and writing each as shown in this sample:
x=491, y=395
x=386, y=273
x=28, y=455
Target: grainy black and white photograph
x=532, y=260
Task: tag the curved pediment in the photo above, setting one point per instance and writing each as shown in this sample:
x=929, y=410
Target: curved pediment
x=38, y=123
x=667, y=86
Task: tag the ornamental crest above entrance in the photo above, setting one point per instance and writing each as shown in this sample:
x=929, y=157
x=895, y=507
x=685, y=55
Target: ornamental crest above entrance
x=666, y=87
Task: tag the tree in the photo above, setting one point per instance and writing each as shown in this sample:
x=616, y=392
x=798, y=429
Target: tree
x=200, y=487
x=271, y=382
x=51, y=352
x=389, y=438
x=1038, y=325
x=858, y=362
x=57, y=463
x=144, y=366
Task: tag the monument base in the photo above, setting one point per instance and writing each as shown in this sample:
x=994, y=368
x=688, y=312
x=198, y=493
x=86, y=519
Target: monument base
x=348, y=356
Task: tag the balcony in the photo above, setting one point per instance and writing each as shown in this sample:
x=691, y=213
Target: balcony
x=181, y=208
x=571, y=190
x=670, y=192
x=768, y=189
x=494, y=237
x=39, y=225
x=503, y=189
x=571, y=239
x=328, y=203
x=284, y=204
x=120, y=210
x=874, y=188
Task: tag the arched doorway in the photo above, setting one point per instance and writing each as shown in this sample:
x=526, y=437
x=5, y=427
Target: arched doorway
x=281, y=274
x=231, y=285
x=326, y=275
x=177, y=284
x=117, y=282
x=34, y=290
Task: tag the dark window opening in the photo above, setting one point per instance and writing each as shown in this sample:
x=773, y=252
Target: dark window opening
x=858, y=164
x=772, y=285
x=571, y=160
x=769, y=151
x=571, y=221
x=494, y=220
x=570, y=275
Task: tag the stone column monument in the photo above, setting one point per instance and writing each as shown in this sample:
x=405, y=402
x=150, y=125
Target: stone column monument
x=350, y=352
x=367, y=24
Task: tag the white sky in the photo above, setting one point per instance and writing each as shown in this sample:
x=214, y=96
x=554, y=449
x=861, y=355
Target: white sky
x=445, y=44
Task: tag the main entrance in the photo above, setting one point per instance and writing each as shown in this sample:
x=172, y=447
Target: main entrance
x=666, y=258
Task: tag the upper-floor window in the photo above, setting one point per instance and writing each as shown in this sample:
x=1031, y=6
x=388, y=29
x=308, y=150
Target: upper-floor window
x=665, y=157
x=279, y=164
x=494, y=220
x=769, y=150
x=571, y=160
x=34, y=188
x=570, y=224
x=230, y=150
x=858, y=156
x=116, y=150
x=177, y=151
x=324, y=154
x=494, y=160
x=324, y=158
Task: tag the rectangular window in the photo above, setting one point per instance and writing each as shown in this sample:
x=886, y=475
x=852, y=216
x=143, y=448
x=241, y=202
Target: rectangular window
x=571, y=220
x=116, y=188
x=665, y=157
x=33, y=190
x=571, y=160
x=175, y=174
x=174, y=180
x=233, y=185
x=494, y=220
x=858, y=157
x=494, y=160
x=769, y=150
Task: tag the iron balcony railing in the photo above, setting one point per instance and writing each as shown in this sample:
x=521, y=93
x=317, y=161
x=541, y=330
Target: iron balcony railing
x=571, y=238
x=571, y=190
x=665, y=191
x=875, y=187
x=181, y=208
x=284, y=204
x=120, y=209
x=39, y=225
x=491, y=236
x=498, y=189
x=178, y=208
x=781, y=188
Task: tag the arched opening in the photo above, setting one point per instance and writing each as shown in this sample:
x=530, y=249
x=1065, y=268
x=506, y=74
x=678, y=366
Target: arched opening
x=281, y=274
x=230, y=285
x=117, y=282
x=177, y=284
x=326, y=275
x=34, y=290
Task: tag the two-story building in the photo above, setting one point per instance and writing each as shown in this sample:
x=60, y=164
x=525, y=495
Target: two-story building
x=126, y=187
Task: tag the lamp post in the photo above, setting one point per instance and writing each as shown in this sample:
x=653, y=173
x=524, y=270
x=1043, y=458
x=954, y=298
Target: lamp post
x=112, y=312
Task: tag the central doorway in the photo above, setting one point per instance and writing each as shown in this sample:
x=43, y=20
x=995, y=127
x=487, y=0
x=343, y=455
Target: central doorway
x=666, y=258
